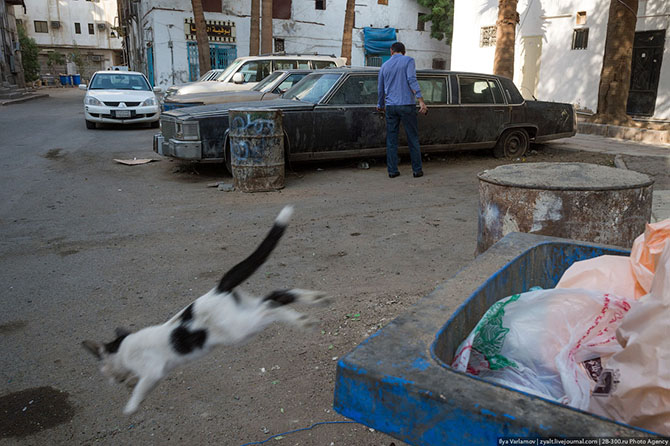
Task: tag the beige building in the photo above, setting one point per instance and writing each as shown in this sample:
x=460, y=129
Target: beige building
x=82, y=31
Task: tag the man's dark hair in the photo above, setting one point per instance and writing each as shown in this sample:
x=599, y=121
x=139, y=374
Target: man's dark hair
x=398, y=47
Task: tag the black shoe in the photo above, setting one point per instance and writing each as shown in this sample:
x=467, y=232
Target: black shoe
x=418, y=174
x=393, y=175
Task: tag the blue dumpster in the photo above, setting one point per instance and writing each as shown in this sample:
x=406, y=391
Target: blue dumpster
x=76, y=79
x=64, y=80
x=399, y=381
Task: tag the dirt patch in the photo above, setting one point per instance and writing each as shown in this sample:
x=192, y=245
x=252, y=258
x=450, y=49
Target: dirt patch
x=12, y=327
x=33, y=410
x=54, y=154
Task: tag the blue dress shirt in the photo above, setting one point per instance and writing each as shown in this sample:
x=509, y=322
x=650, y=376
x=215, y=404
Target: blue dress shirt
x=397, y=84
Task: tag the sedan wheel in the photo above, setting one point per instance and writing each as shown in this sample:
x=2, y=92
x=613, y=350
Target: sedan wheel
x=512, y=144
x=90, y=124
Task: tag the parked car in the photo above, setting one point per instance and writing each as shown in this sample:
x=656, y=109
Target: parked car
x=269, y=88
x=332, y=114
x=120, y=97
x=245, y=72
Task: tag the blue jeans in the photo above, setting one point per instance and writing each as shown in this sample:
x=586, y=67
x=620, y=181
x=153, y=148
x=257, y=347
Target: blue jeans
x=395, y=114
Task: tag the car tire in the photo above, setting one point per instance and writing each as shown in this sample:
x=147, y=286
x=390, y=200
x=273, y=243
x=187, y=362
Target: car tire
x=90, y=124
x=512, y=144
x=155, y=124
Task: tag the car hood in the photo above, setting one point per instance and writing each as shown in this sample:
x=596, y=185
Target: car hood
x=121, y=95
x=212, y=87
x=208, y=111
x=221, y=97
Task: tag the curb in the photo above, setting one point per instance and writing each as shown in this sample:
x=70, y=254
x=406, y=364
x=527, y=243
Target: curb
x=28, y=97
x=656, y=137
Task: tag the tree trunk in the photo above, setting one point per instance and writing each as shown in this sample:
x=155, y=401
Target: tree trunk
x=201, y=37
x=348, y=30
x=254, y=35
x=617, y=60
x=266, y=27
x=503, y=63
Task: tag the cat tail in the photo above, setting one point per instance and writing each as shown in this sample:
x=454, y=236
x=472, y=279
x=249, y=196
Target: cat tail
x=243, y=270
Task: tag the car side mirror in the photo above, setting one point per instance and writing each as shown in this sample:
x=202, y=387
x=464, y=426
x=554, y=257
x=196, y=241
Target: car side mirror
x=157, y=89
x=238, y=78
x=82, y=86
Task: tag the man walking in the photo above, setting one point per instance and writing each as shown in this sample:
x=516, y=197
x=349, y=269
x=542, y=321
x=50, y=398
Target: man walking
x=398, y=91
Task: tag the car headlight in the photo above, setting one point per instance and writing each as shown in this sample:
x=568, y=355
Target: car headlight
x=90, y=100
x=149, y=101
x=187, y=131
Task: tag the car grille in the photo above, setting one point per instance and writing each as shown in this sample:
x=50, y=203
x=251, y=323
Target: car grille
x=128, y=104
x=168, y=128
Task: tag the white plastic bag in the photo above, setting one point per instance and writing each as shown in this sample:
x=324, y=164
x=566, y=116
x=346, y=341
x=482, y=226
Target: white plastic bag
x=537, y=341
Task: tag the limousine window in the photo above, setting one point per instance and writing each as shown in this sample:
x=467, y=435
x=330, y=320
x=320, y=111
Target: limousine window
x=433, y=90
x=313, y=87
x=476, y=91
x=255, y=71
x=356, y=90
x=318, y=64
x=285, y=64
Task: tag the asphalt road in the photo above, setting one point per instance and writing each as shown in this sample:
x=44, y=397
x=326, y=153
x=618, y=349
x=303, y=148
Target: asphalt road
x=89, y=244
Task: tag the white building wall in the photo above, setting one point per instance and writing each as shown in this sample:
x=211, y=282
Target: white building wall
x=308, y=31
x=565, y=75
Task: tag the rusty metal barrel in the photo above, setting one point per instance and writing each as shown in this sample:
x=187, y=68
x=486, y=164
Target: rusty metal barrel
x=578, y=201
x=257, y=149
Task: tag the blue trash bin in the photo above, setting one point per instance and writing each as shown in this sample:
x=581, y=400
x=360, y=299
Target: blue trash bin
x=76, y=79
x=64, y=80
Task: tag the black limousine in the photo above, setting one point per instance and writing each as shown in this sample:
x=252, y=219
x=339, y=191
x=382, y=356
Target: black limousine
x=332, y=114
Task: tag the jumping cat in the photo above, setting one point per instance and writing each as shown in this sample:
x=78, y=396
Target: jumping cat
x=224, y=316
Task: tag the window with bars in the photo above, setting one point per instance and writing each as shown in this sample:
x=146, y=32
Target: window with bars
x=41, y=26
x=77, y=28
x=279, y=46
x=320, y=4
x=580, y=39
x=487, y=36
x=90, y=29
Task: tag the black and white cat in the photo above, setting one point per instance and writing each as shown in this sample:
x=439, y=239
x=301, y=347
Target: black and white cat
x=225, y=315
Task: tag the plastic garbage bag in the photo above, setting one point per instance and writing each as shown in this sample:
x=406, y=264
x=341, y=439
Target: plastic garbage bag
x=635, y=383
x=624, y=276
x=541, y=342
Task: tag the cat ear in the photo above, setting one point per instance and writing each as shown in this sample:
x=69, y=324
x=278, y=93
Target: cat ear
x=122, y=332
x=93, y=347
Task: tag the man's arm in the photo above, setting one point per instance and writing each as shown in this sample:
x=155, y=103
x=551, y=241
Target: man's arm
x=381, y=97
x=414, y=86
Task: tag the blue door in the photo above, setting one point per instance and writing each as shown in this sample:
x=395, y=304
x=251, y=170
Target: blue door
x=150, y=65
x=220, y=56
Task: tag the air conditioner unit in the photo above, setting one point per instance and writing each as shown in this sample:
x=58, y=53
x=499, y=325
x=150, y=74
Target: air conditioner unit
x=102, y=26
x=55, y=24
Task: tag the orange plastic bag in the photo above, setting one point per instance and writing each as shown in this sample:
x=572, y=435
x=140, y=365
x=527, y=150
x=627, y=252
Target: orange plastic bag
x=628, y=277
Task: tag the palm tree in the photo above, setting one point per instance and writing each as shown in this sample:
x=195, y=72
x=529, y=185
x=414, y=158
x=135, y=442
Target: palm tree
x=266, y=27
x=348, y=30
x=201, y=37
x=254, y=36
x=503, y=62
x=617, y=60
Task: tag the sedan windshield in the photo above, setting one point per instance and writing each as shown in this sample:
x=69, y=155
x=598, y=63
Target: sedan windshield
x=313, y=87
x=265, y=83
x=119, y=81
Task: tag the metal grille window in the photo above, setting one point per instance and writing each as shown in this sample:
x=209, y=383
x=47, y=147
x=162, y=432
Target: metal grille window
x=77, y=28
x=41, y=26
x=320, y=4
x=91, y=29
x=580, y=39
x=279, y=46
x=373, y=61
x=487, y=36
x=439, y=64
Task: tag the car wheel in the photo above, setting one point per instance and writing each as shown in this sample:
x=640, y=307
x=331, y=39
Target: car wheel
x=512, y=144
x=155, y=124
x=90, y=124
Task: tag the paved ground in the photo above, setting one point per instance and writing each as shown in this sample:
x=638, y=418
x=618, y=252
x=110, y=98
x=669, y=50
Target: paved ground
x=89, y=245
